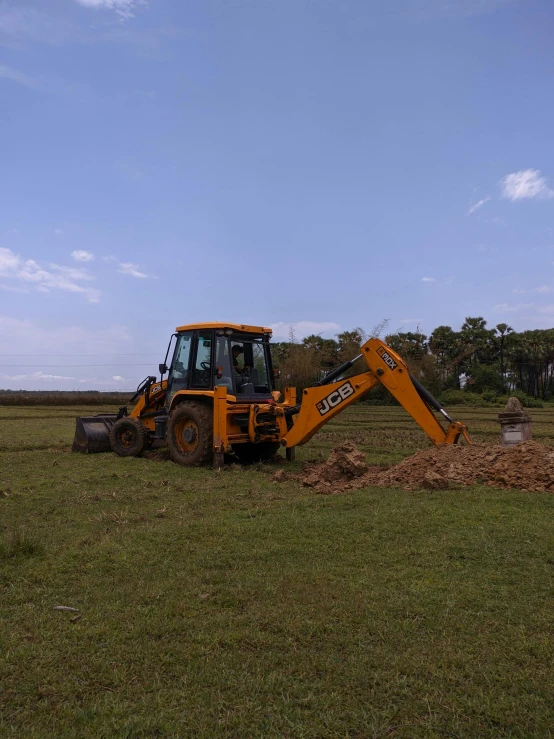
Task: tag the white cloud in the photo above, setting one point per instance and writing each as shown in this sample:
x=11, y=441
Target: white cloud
x=543, y=289
x=54, y=349
x=72, y=273
x=12, y=289
x=412, y=320
x=35, y=376
x=19, y=23
x=8, y=261
x=428, y=279
x=29, y=273
x=525, y=184
x=80, y=255
x=112, y=383
x=301, y=329
x=124, y=8
x=58, y=231
x=507, y=308
x=128, y=268
x=7, y=73
x=478, y=205
x=547, y=309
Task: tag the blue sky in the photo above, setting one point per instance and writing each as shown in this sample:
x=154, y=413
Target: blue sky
x=313, y=163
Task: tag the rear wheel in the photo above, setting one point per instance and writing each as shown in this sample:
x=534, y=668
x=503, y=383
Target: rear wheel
x=129, y=437
x=251, y=453
x=190, y=433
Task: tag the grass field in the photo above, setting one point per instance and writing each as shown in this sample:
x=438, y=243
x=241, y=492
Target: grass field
x=222, y=604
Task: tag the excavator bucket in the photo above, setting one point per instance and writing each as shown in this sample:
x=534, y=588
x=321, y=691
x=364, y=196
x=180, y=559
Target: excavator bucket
x=92, y=433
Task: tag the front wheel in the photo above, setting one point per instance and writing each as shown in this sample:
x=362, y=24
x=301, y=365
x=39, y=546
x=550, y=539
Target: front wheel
x=251, y=453
x=129, y=437
x=190, y=433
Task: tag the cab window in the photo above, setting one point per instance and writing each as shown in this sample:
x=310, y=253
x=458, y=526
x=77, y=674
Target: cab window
x=259, y=368
x=179, y=374
x=249, y=359
x=202, y=370
x=224, y=374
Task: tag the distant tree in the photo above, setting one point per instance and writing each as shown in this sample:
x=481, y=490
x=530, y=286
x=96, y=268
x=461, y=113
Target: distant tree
x=349, y=341
x=409, y=344
x=502, y=331
x=531, y=356
x=445, y=345
x=478, y=342
x=490, y=359
x=327, y=349
x=349, y=344
x=298, y=365
x=486, y=377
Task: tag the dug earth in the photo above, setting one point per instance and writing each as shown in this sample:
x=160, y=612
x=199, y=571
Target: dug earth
x=528, y=466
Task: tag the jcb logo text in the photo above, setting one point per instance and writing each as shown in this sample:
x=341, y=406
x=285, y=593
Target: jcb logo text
x=335, y=398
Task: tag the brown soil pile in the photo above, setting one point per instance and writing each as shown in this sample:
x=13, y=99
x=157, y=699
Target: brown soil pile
x=346, y=468
x=528, y=466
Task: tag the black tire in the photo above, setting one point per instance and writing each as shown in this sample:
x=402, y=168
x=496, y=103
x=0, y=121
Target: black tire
x=250, y=453
x=129, y=437
x=190, y=433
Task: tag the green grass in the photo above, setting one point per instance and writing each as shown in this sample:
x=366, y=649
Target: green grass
x=222, y=604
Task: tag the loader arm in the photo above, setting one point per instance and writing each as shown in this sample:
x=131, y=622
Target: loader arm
x=330, y=396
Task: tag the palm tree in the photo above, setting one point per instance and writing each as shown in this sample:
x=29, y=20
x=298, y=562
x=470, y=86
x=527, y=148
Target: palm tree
x=503, y=330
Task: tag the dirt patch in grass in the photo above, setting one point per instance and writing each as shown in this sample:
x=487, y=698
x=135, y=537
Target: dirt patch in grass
x=528, y=466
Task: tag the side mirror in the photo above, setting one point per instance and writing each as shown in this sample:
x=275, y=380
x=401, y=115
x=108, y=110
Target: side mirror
x=162, y=368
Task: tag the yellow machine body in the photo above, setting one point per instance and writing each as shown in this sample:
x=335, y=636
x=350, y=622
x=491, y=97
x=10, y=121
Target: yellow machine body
x=222, y=421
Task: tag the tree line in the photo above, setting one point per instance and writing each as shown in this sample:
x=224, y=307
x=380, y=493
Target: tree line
x=476, y=359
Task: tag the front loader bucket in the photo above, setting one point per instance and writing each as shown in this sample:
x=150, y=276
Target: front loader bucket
x=92, y=433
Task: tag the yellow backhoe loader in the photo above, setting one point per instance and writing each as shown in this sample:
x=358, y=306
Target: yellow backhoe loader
x=219, y=396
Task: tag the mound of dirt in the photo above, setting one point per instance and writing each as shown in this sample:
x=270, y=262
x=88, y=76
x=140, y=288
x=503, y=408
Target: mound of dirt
x=527, y=466
x=454, y=464
x=343, y=470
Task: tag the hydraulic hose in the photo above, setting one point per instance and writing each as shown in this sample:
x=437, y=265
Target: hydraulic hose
x=428, y=398
x=336, y=372
x=325, y=381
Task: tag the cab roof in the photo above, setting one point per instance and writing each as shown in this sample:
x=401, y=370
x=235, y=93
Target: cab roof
x=239, y=327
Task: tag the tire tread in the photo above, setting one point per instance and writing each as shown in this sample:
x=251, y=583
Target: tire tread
x=202, y=414
x=142, y=439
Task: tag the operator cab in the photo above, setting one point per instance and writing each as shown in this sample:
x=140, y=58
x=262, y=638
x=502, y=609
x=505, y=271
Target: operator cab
x=210, y=355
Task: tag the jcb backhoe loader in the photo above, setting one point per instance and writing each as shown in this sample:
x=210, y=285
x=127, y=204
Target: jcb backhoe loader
x=219, y=396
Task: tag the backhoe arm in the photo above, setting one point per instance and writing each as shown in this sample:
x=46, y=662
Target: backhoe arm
x=321, y=404
x=329, y=397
